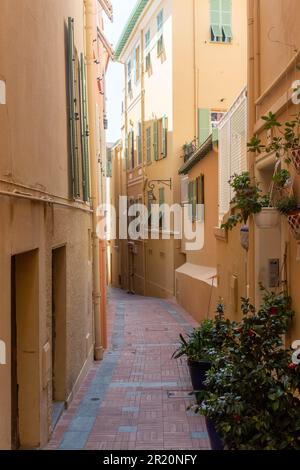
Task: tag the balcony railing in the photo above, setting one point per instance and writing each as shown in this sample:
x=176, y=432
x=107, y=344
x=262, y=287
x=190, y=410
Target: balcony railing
x=189, y=148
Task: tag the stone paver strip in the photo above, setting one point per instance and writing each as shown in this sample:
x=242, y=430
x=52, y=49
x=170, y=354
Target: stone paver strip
x=123, y=403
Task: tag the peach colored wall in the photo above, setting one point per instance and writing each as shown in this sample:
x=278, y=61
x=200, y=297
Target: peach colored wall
x=34, y=159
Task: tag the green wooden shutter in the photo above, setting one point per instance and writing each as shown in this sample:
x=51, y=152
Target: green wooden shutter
x=155, y=140
x=109, y=163
x=190, y=196
x=226, y=18
x=72, y=110
x=126, y=152
x=194, y=199
x=215, y=18
x=139, y=144
x=164, y=136
x=204, y=123
x=84, y=131
x=132, y=149
x=148, y=138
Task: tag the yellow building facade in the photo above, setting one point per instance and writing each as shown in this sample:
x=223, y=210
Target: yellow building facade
x=177, y=87
x=47, y=311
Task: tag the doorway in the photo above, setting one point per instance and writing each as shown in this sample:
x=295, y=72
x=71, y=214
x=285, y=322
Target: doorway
x=25, y=374
x=58, y=333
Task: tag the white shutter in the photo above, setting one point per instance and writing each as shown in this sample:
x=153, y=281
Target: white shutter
x=232, y=150
x=224, y=168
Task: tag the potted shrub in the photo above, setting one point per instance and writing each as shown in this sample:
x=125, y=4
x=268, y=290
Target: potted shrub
x=252, y=394
x=268, y=217
x=196, y=347
x=289, y=207
x=246, y=201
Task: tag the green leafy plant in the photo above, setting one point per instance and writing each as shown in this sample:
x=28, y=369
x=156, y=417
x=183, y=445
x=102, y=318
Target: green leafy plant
x=287, y=204
x=284, y=137
x=281, y=178
x=252, y=390
x=246, y=200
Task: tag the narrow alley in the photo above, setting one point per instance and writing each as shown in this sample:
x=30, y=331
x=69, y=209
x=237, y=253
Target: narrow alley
x=137, y=398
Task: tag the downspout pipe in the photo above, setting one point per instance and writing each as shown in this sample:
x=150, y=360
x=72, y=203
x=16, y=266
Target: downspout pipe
x=89, y=37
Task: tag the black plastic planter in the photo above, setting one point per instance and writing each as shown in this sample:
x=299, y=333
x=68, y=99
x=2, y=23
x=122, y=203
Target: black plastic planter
x=198, y=373
x=215, y=440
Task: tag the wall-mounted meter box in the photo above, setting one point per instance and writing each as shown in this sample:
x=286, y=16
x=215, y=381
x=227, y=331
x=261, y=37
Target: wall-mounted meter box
x=274, y=273
x=2, y=92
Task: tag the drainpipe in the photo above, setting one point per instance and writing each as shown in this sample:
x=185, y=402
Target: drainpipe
x=89, y=30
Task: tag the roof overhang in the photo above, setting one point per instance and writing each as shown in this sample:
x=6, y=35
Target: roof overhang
x=130, y=25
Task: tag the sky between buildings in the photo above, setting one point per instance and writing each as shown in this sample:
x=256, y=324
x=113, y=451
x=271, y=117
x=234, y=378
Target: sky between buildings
x=115, y=74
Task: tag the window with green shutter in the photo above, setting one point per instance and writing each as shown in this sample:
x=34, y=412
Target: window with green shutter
x=221, y=20
x=148, y=144
x=73, y=113
x=109, y=163
x=164, y=137
x=127, y=152
x=200, y=197
x=161, y=203
x=191, y=199
x=139, y=144
x=204, y=125
x=155, y=140
x=84, y=131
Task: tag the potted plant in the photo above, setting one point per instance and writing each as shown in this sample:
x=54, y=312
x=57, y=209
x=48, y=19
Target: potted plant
x=196, y=347
x=284, y=141
x=246, y=201
x=289, y=207
x=268, y=217
x=252, y=394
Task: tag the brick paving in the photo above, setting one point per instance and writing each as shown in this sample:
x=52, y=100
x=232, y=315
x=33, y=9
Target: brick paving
x=124, y=402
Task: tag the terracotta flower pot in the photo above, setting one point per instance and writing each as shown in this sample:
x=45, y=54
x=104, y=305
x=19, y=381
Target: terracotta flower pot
x=295, y=157
x=268, y=218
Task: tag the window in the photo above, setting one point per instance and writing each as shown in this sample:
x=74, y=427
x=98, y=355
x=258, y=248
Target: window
x=160, y=21
x=137, y=64
x=155, y=140
x=220, y=20
x=160, y=42
x=164, y=137
x=147, y=40
x=161, y=210
x=148, y=144
x=160, y=46
x=109, y=163
x=148, y=62
x=215, y=118
x=204, y=125
x=139, y=144
x=196, y=198
x=129, y=70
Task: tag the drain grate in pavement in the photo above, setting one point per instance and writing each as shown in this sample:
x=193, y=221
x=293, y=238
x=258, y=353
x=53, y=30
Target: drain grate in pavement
x=179, y=393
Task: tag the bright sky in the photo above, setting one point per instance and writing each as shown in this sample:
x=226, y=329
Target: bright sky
x=114, y=78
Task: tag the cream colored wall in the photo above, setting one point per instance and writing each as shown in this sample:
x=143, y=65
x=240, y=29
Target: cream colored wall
x=34, y=160
x=275, y=42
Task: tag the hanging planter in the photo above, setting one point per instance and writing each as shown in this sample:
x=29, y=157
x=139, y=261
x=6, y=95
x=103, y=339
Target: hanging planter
x=295, y=159
x=268, y=218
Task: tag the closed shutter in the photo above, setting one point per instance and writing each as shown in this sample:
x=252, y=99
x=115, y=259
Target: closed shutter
x=127, y=152
x=224, y=168
x=191, y=198
x=204, y=123
x=239, y=139
x=84, y=131
x=226, y=18
x=215, y=18
x=109, y=163
x=73, y=110
x=132, y=149
x=148, y=143
x=155, y=140
x=139, y=144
